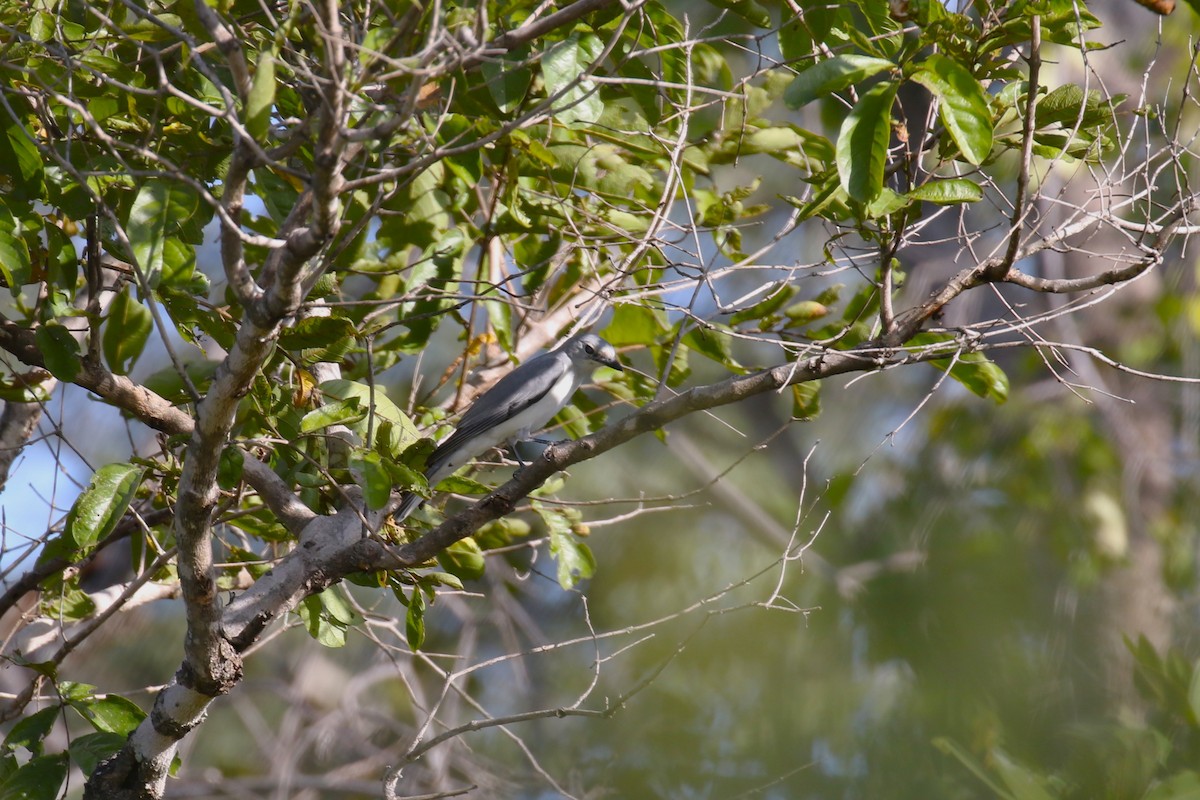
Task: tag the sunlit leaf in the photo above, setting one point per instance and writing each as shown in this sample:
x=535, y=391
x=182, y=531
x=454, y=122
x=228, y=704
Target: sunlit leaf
x=14, y=253
x=126, y=332
x=262, y=96
x=1194, y=693
x=1182, y=785
x=634, y=324
x=961, y=105
x=958, y=752
x=339, y=412
x=574, y=558
x=1023, y=783
x=563, y=68
x=804, y=312
x=376, y=480
x=414, y=621
x=21, y=162
x=463, y=559
x=321, y=624
x=863, y=142
x=982, y=376
x=806, y=400
x=832, y=75
x=160, y=209
x=102, y=504
x=405, y=431
x=748, y=10
x=715, y=342
x=886, y=203
x=948, y=191
x=111, y=714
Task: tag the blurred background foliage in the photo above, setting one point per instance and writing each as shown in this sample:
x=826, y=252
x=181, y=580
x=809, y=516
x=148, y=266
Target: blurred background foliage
x=960, y=625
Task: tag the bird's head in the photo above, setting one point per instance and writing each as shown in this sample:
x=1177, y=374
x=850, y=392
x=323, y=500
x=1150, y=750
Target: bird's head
x=590, y=347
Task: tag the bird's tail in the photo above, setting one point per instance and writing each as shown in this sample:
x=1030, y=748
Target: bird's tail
x=435, y=470
x=410, y=503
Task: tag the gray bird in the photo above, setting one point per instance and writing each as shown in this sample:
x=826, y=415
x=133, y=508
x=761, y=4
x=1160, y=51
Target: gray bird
x=521, y=402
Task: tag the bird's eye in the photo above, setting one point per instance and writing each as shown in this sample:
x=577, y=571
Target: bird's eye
x=591, y=351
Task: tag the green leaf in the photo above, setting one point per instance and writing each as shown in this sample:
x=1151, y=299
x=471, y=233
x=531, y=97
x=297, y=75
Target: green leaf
x=863, y=141
x=983, y=377
x=61, y=259
x=40, y=778
x=1182, y=785
x=414, y=620
x=89, y=750
x=828, y=200
x=376, y=480
x=338, y=608
x=339, y=412
x=403, y=430
x=502, y=532
x=102, y=504
x=961, y=104
x=1194, y=693
x=948, y=191
x=60, y=351
x=775, y=296
x=958, y=752
x=461, y=484
x=442, y=579
x=262, y=96
x=886, y=203
x=714, y=341
x=814, y=24
x=111, y=714
x=1023, y=783
x=159, y=210
x=1070, y=105
x=230, y=466
x=805, y=312
x=71, y=691
x=832, y=75
x=575, y=559
x=313, y=332
x=15, y=265
x=125, y=332
x=748, y=10
x=463, y=559
x=634, y=324
x=563, y=67
x=806, y=400
x=30, y=731
x=68, y=603
x=21, y=162
x=322, y=625
x=507, y=81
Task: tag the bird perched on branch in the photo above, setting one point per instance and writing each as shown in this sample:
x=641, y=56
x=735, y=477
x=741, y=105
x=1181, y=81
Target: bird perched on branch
x=520, y=403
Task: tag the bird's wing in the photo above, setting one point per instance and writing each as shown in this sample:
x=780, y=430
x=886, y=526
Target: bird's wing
x=512, y=394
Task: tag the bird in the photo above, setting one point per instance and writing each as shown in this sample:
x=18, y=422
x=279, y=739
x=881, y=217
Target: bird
x=520, y=403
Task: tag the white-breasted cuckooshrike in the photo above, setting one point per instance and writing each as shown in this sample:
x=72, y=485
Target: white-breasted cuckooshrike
x=520, y=403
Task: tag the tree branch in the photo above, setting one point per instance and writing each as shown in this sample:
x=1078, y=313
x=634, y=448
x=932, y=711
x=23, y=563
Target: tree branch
x=17, y=424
